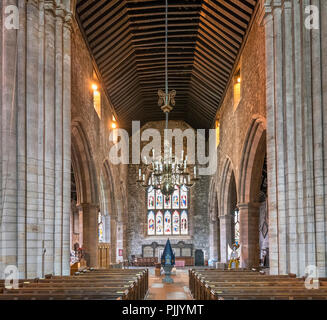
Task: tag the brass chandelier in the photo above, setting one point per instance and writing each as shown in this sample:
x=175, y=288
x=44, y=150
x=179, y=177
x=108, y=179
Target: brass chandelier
x=170, y=171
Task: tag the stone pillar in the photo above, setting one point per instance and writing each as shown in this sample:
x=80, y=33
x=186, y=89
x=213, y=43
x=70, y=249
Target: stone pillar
x=213, y=243
x=107, y=228
x=225, y=236
x=296, y=135
x=35, y=140
x=249, y=234
x=8, y=112
x=66, y=143
x=113, y=238
x=120, y=240
x=90, y=233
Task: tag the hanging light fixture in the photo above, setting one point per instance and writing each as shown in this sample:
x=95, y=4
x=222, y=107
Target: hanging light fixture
x=167, y=173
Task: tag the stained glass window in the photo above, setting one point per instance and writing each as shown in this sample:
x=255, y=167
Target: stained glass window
x=167, y=215
x=184, y=222
x=159, y=223
x=167, y=222
x=183, y=198
x=159, y=199
x=176, y=198
x=176, y=222
x=237, y=226
x=100, y=227
x=151, y=223
x=167, y=202
x=151, y=204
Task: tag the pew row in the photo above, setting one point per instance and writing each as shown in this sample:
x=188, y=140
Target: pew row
x=91, y=284
x=213, y=284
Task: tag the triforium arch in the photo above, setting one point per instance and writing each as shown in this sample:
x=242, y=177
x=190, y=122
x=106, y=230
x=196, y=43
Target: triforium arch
x=250, y=181
x=226, y=206
x=214, y=235
x=87, y=190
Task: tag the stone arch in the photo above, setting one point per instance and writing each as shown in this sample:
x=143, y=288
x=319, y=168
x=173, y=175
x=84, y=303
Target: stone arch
x=225, y=184
x=109, y=208
x=227, y=199
x=252, y=160
x=213, y=201
x=251, y=166
x=87, y=190
x=214, y=227
x=83, y=166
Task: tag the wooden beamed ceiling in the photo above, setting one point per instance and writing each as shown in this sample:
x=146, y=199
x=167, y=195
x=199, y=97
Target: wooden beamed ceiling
x=127, y=41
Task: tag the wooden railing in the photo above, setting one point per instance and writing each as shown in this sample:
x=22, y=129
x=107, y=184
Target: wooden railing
x=104, y=255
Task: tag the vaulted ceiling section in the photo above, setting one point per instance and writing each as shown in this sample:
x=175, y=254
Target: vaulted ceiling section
x=127, y=41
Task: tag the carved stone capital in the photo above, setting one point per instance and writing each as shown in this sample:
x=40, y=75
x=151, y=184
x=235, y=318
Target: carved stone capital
x=68, y=20
x=60, y=12
x=50, y=7
x=34, y=3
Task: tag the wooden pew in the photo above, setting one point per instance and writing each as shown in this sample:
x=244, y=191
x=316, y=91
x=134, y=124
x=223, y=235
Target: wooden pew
x=104, y=284
x=245, y=284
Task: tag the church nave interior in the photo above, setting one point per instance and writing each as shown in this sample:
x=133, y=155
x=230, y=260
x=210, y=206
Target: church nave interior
x=163, y=150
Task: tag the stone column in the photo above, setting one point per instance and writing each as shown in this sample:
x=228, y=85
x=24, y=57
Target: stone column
x=113, y=238
x=8, y=112
x=249, y=234
x=296, y=135
x=66, y=134
x=35, y=140
x=225, y=237
x=107, y=228
x=90, y=233
x=213, y=243
x=120, y=240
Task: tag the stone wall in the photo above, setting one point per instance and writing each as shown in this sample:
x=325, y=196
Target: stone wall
x=104, y=184
x=47, y=124
x=239, y=128
x=296, y=64
x=35, y=135
x=137, y=211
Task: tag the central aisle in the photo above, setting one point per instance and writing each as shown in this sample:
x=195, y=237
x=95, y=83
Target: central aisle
x=169, y=291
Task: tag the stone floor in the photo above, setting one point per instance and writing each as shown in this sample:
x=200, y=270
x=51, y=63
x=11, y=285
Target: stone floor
x=169, y=291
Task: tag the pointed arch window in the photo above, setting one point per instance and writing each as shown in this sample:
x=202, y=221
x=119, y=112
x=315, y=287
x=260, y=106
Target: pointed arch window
x=168, y=215
x=151, y=223
x=159, y=223
x=176, y=222
x=151, y=204
x=184, y=222
x=167, y=222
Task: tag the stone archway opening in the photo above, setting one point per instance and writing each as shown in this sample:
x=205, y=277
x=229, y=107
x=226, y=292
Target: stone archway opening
x=84, y=212
x=252, y=187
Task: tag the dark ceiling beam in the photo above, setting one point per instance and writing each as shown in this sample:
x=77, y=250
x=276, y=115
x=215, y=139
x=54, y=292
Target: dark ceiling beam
x=127, y=37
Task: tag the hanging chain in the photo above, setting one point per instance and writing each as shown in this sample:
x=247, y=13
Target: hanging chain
x=166, y=60
x=166, y=51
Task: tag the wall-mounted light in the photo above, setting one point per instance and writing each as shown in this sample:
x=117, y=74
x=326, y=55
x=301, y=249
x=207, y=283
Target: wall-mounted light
x=94, y=87
x=114, y=125
x=239, y=80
